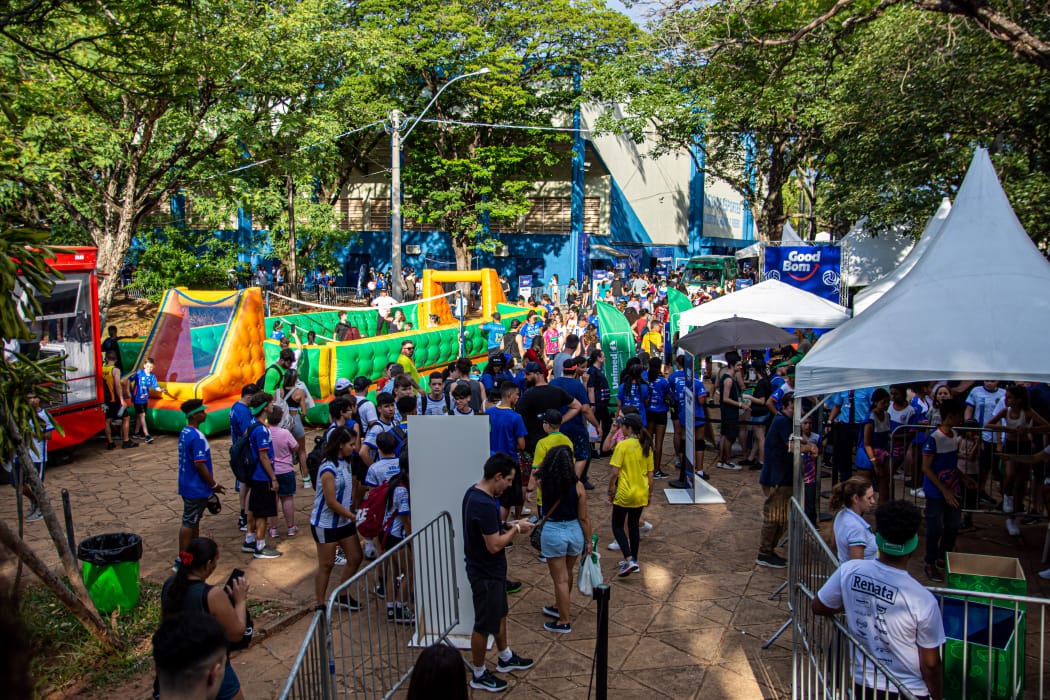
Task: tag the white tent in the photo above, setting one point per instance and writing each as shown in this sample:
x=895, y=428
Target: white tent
x=867, y=257
x=869, y=295
x=975, y=306
x=771, y=301
x=787, y=237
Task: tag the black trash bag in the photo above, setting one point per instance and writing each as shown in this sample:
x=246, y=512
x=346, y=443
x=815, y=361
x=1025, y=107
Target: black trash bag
x=112, y=548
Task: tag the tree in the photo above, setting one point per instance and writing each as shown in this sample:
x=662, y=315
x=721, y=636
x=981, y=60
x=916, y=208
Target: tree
x=114, y=108
x=23, y=267
x=459, y=176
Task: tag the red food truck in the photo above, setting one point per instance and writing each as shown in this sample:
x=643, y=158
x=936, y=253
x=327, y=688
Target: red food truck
x=68, y=325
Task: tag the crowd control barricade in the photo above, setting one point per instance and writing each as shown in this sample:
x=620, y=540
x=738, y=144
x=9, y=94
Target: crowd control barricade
x=408, y=600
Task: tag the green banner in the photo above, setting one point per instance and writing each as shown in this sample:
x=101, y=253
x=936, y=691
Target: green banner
x=677, y=304
x=617, y=340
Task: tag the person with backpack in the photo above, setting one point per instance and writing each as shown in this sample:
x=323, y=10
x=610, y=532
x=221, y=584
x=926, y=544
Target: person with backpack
x=240, y=419
x=366, y=410
x=397, y=525
x=273, y=378
x=332, y=518
x=262, y=494
x=459, y=373
x=385, y=423
x=387, y=466
x=436, y=402
x=188, y=591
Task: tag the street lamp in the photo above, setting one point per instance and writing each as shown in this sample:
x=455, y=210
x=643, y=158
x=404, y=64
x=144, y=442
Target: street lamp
x=397, y=140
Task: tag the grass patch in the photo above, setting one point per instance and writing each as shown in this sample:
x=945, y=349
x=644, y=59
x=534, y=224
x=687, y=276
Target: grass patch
x=64, y=652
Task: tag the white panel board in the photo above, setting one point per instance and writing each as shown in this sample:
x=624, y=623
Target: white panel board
x=448, y=455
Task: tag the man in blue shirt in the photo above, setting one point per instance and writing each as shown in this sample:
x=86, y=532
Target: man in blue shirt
x=196, y=481
x=240, y=419
x=776, y=479
x=576, y=428
x=262, y=501
x=847, y=411
x=494, y=330
x=506, y=426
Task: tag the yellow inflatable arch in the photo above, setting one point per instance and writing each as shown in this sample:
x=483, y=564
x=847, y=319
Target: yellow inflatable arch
x=435, y=310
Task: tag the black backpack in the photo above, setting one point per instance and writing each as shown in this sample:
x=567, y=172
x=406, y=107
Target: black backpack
x=261, y=381
x=316, y=456
x=242, y=461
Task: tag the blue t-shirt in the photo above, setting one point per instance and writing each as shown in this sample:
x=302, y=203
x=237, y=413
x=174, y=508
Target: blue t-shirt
x=495, y=380
x=778, y=394
x=945, y=451
x=575, y=426
x=260, y=442
x=143, y=382
x=851, y=413
x=678, y=384
x=659, y=392
x=505, y=427
x=240, y=418
x=531, y=330
x=699, y=394
x=637, y=395
x=193, y=447
x=495, y=331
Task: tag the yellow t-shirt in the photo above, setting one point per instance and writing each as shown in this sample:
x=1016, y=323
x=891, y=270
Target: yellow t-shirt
x=653, y=340
x=632, y=488
x=542, y=448
x=410, y=368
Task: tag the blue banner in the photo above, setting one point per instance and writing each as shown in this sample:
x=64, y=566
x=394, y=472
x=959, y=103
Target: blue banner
x=815, y=269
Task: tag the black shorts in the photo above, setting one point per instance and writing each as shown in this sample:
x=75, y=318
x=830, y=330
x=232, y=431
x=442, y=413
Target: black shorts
x=581, y=446
x=490, y=604
x=113, y=410
x=388, y=541
x=262, y=502
x=513, y=495
x=333, y=535
x=656, y=417
x=730, y=429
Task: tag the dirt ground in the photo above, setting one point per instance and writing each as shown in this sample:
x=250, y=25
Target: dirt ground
x=132, y=317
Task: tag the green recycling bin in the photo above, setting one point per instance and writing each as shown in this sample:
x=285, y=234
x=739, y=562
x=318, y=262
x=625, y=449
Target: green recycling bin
x=111, y=570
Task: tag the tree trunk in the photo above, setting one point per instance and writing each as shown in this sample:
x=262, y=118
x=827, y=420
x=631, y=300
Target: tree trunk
x=112, y=247
x=772, y=217
x=79, y=604
x=292, y=276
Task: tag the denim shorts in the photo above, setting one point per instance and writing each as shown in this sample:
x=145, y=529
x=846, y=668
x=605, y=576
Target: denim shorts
x=561, y=539
x=286, y=484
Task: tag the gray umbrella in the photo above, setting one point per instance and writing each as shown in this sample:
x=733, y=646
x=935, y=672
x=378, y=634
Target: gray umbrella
x=733, y=334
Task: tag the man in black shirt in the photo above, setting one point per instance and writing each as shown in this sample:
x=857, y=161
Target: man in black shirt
x=538, y=397
x=486, y=563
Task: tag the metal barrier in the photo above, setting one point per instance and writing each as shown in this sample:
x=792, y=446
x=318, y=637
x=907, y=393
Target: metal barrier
x=408, y=600
x=1011, y=661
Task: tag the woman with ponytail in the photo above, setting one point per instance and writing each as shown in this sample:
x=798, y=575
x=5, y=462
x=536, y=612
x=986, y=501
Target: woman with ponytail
x=630, y=487
x=188, y=591
x=852, y=499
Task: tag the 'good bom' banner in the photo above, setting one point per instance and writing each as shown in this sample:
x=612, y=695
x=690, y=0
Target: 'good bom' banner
x=812, y=268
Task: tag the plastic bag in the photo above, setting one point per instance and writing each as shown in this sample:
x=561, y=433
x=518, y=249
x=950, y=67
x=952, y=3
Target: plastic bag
x=590, y=570
x=112, y=548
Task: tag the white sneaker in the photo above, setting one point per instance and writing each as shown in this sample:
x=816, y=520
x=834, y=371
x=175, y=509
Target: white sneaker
x=616, y=548
x=526, y=511
x=1008, y=504
x=340, y=558
x=646, y=527
x=1011, y=528
x=1045, y=574
x=731, y=466
x=918, y=493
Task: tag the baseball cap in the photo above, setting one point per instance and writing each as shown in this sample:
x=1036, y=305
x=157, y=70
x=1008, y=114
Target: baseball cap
x=342, y=385
x=497, y=359
x=551, y=416
x=533, y=368
x=632, y=420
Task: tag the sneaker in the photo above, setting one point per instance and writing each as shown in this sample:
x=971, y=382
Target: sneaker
x=273, y=533
x=918, y=493
x=646, y=527
x=347, y=602
x=307, y=483
x=34, y=515
x=1045, y=573
x=242, y=522
x=340, y=558
x=555, y=626
x=379, y=590
x=588, y=485
x=526, y=511
x=138, y=436
x=756, y=467
x=1011, y=528
x=660, y=474
x=627, y=568
x=487, y=681
x=400, y=615
x=541, y=559
x=266, y=553
x=1031, y=520
x=1008, y=504
x=513, y=586
x=514, y=663
x=248, y=547
x=934, y=574
x=128, y=444
x=551, y=611
x=110, y=446
x=148, y=439
x=175, y=566
x=773, y=561
x=703, y=475
x=983, y=499
x=292, y=531
x=730, y=466
x=614, y=546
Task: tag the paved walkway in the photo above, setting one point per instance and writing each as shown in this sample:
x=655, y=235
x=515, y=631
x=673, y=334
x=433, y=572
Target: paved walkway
x=689, y=625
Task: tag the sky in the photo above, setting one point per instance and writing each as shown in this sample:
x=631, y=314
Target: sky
x=634, y=13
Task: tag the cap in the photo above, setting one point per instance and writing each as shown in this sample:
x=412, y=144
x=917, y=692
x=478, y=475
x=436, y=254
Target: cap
x=632, y=420
x=533, y=368
x=551, y=416
x=571, y=362
x=497, y=359
x=342, y=384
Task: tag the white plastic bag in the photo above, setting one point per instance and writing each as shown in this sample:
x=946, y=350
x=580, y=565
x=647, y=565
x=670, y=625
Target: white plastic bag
x=590, y=571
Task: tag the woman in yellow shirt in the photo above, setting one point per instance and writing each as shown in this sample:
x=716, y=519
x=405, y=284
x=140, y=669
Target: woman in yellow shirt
x=630, y=485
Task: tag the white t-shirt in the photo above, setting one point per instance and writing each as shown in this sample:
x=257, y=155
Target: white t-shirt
x=891, y=614
x=384, y=302
x=366, y=411
x=398, y=507
x=852, y=530
x=382, y=471
x=984, y=403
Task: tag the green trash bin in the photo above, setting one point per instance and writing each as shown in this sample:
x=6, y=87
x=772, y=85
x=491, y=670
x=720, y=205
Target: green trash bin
x=111, y=570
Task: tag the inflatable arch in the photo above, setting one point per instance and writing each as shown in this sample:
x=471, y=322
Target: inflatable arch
x=435, y=311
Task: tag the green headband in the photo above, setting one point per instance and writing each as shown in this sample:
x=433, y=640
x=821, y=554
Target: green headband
x=897, y=550
x=199, y=409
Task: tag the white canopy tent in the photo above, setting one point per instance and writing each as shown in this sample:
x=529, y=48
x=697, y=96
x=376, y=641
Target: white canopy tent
x=869, y=295
x=773, y=302
x=788, y=237
x=976, y=305
x=867, y=257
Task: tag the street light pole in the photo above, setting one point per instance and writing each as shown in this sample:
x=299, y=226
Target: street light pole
x=397, y=139
x=395, y=204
